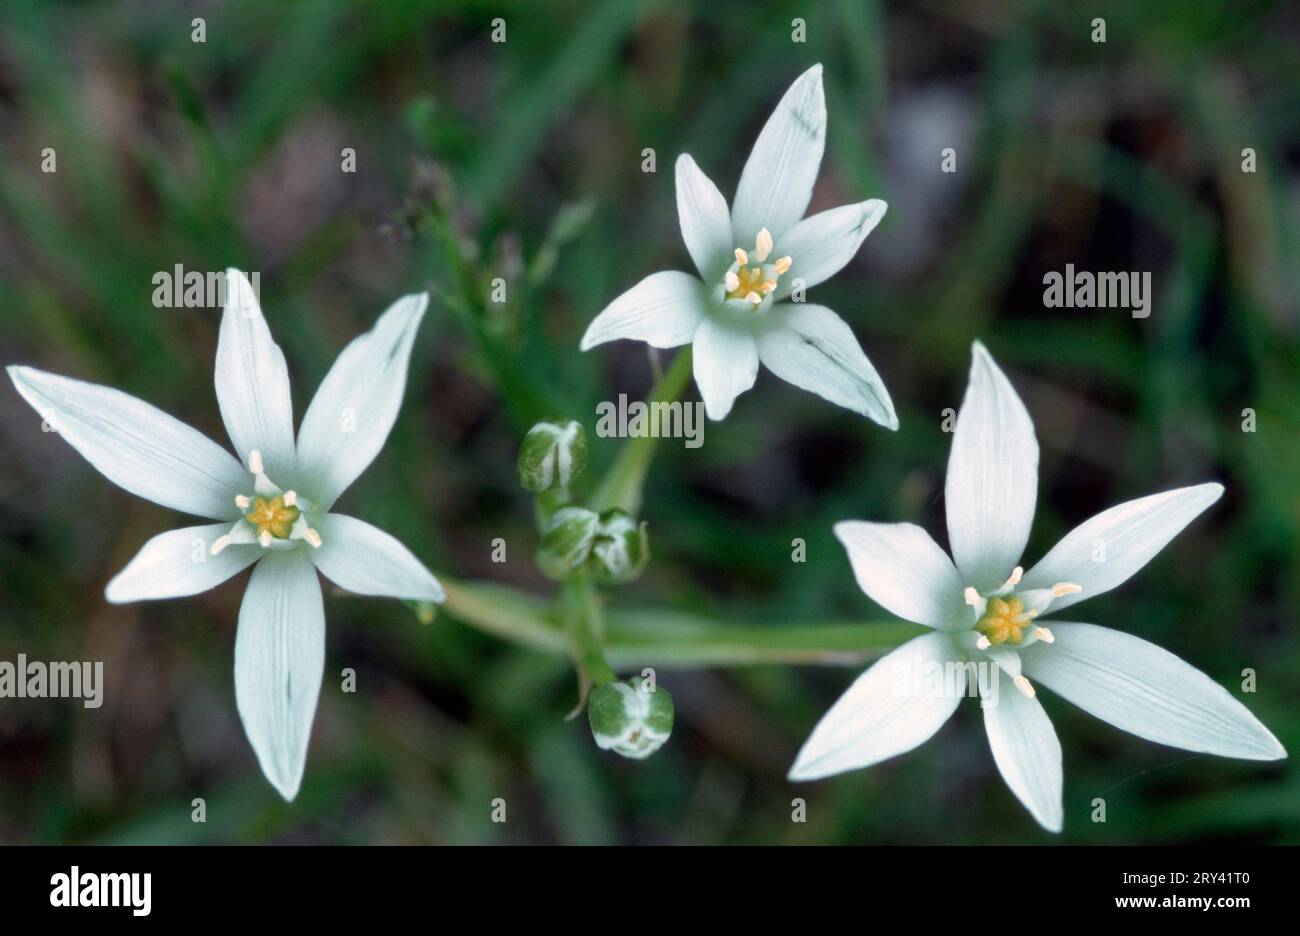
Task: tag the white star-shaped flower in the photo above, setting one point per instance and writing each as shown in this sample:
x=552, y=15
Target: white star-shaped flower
x=273, y=510
x=985, y=610
x=750, y=260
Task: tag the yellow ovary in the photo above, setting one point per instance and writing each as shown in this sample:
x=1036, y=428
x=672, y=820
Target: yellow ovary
x=1004, y=620
x=272, y=515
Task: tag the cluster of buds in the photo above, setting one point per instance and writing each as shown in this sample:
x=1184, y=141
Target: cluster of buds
x=579, y=546
x=611, y=545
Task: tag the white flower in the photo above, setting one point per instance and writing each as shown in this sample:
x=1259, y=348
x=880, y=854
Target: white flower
x=984, y=609
x=752, y=259
x=276, y=510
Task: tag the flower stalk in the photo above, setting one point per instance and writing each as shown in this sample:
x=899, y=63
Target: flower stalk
x=623, y=484
x=667, y=638
x=581, y=611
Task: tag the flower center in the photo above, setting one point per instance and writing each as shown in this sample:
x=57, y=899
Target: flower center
x=1004, y=620
x=271, y=516
x=1005, y=616
x=752, y=283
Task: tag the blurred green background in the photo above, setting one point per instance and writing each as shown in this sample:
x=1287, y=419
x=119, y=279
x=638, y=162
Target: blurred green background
x=523, y=160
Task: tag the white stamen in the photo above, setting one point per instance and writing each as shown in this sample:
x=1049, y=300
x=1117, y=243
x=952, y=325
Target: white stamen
x=782, y=265
x=218, y=544
x=242, y=501
x=972, y=596
x=753, y=297
x=764, y=245
x=290, y=498
x=1024, y=686
x=264, y=538
x=1061, y=589
x=1043, y=634
x=741, y=257
x=1014, y=580
x=255, y=461
x=983, y=643
x=731, y=281
x=312, y=537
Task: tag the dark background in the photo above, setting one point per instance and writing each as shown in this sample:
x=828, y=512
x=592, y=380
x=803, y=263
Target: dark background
x=523, y=160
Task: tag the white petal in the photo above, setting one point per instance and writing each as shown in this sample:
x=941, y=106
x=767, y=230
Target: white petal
x=279, y=662
x=366, y=560
x=355, y=408
x=179, y=563
x=705, y=222
x=821, y=245
x=135, y=445
x=992, y=481
x=726, y=364
x=897, y=704
x=904, y=571
x=663, y=310
x=1147, y=691
x=1104, y=552
x=777, y=181
x=811, y=347
x=1027, y=752
x=253, y=381
x=1007, y=659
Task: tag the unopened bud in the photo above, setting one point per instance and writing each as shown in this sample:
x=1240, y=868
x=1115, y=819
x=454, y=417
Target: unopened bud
x=620, y=549
x=566, y=541
x=553, y=455
x=632, y=718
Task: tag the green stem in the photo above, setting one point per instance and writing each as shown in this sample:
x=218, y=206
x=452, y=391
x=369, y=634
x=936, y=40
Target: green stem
x=580, y=606
x=623, y=484
x=665, y=638
x=505, y=612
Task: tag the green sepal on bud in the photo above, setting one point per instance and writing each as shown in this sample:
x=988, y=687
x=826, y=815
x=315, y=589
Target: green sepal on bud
x=632, y=718
x=566, y=541
x=552, y=456
x=620, y=550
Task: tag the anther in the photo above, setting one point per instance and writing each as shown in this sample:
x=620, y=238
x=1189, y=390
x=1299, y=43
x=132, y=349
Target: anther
x=1024, y=686
x=255, y=461
x=312, y=537
x=753, y=297
x=972, y=596
x=242, y=501
x=982, y=643
x=731, y=281
x=741, y=257
x=764, y=245
x=1014, y=580
x=290, y=498
x=264, y=538
x=218, y=544
x=1061, y=589
x=1043, y=634
x=782, y=266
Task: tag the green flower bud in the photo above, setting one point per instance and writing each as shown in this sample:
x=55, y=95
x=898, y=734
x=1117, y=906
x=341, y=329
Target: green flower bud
x=566, y=541
x=620, y=550
x=633, y=718
x=553, y=455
